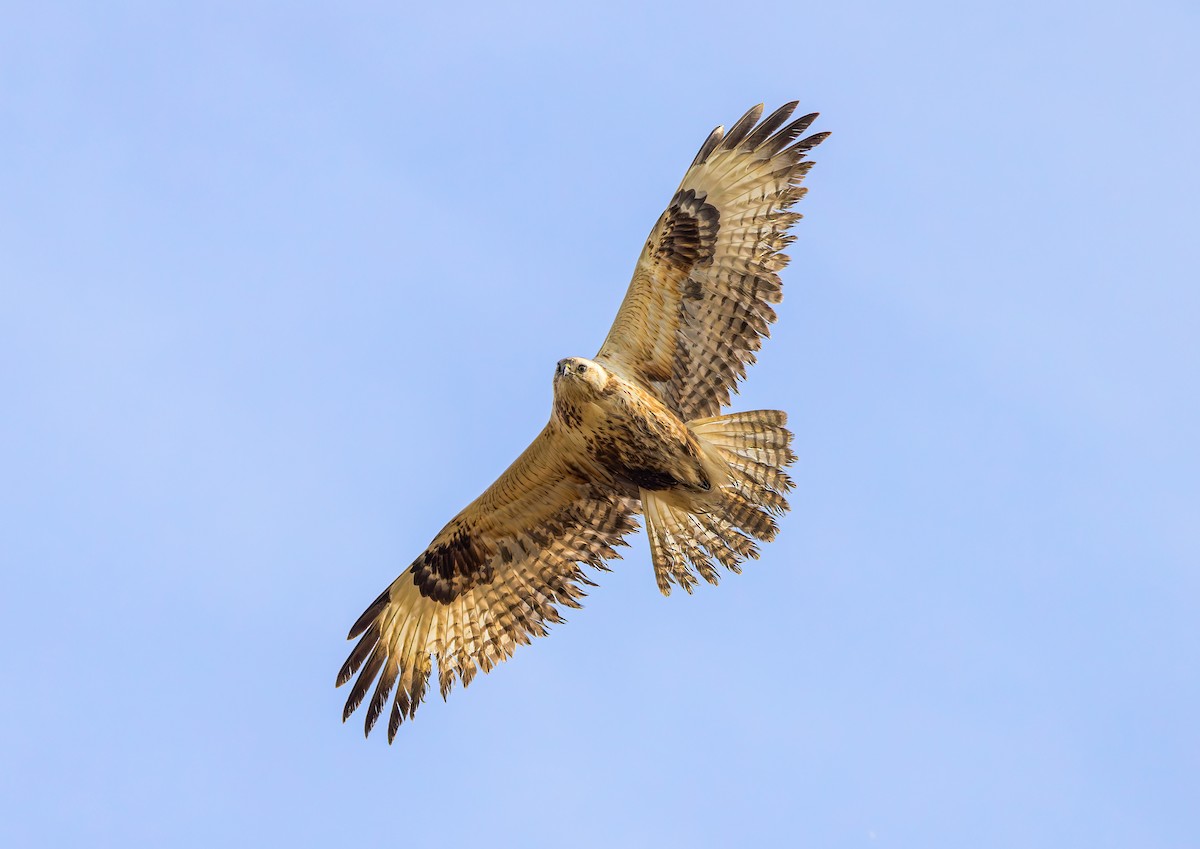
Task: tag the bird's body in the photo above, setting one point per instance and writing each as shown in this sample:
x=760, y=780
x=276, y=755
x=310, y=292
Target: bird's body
x=629, y=436
x=637, y=429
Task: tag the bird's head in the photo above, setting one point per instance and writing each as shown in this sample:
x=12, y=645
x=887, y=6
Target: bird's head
x=578, y=376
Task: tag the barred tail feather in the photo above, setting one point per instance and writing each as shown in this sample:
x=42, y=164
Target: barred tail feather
x=746, y=454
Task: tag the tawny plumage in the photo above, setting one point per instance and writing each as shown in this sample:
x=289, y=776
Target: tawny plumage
x=636, y=430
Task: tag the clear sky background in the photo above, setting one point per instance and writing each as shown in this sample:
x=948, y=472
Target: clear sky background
x=283, y=287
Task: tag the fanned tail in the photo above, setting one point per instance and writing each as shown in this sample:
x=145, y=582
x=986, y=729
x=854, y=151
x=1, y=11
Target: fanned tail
x=745, y=454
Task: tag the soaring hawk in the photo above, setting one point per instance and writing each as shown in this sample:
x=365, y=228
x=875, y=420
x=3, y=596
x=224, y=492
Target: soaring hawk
x=636, y=429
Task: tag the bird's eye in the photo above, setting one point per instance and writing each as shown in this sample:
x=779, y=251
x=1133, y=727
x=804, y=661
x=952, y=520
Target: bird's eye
x=582, y=368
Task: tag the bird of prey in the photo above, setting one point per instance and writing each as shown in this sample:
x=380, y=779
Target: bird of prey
x=637, y=429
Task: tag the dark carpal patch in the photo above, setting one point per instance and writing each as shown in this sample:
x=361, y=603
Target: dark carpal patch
x=689, y=234
x=447, y=570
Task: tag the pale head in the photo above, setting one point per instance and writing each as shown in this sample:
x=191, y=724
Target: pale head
x=580, y=375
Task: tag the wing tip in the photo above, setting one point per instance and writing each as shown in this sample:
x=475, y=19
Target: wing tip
x=762, y=133
x=809, y=142
x=710, y=144
x=738, y=132
x=768, y=134
x=369, y=615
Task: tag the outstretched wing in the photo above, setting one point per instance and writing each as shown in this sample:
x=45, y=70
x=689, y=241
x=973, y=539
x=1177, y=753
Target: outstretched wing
x=487, y=583
x=700, y=301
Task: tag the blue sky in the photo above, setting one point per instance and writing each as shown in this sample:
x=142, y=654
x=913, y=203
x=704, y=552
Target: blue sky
x=283, y=288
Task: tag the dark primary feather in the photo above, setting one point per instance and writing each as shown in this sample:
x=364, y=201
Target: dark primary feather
x=790, y=133
x=770, y=124
x=710, y=144
x=740, y=129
